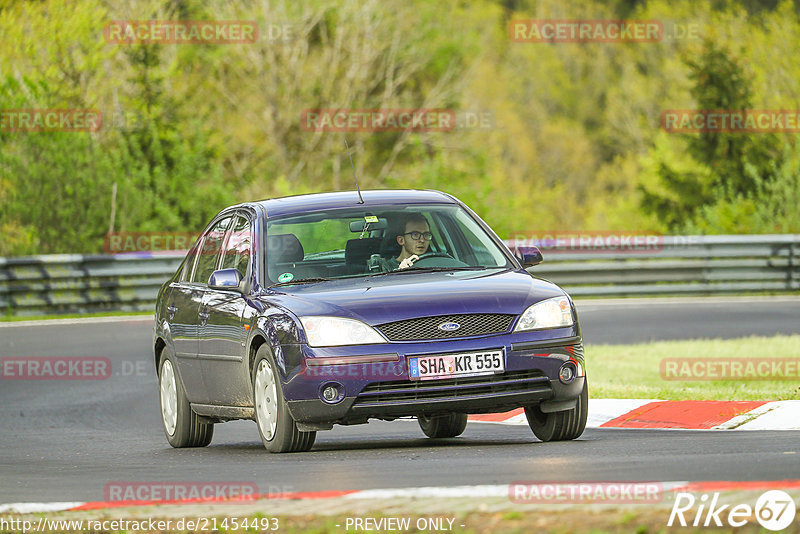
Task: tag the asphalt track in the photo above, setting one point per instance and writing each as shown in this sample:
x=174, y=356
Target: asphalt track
x=66, y=440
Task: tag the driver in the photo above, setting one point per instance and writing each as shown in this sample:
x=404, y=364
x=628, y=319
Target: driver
x=414, y=241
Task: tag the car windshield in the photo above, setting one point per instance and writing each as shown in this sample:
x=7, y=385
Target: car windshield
x=354, y=242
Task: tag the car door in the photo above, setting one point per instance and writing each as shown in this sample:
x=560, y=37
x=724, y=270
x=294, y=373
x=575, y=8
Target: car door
x=184, y=307
x=182, y=304
x=223, y=338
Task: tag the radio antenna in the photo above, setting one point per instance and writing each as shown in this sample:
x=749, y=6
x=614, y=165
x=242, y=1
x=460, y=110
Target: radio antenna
x=360, y=198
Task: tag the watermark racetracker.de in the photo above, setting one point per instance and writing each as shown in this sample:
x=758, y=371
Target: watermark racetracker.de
x=590, y=242
x=378, y=120
x=600, y=492
x=600, y=31
x=122, y=242
x=181, y=32
x=174, y=491
x=355, y=367
x=703, y=369
x=396, y=120
x=70, y=368
x=55, y=368
x=207, y=523
x=683, y=121
x=50, y=120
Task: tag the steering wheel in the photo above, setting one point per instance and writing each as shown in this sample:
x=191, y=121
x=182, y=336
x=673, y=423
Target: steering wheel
x=437, y=259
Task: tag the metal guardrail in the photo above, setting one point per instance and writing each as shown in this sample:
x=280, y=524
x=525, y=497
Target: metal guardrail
x=672, y=265
x=679, y=265
x=73, y=283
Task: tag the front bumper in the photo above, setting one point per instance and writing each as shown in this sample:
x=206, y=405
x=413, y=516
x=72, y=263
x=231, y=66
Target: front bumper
x=383, y=390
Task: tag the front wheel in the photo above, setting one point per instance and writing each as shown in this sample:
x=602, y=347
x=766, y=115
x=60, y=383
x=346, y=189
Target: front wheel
x=560, y=426
x=443, y=426
x=181, y=425
x=275, y=424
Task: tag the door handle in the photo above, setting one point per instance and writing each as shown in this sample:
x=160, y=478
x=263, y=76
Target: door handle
x=171, y=311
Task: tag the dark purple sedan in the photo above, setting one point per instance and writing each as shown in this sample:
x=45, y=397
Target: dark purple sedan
x=334, y=308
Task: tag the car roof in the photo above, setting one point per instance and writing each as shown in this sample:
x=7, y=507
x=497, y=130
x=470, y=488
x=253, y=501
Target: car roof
x=277, y=207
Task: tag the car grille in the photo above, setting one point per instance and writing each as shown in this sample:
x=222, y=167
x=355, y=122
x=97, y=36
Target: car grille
x=412, y=391
x=426, y=328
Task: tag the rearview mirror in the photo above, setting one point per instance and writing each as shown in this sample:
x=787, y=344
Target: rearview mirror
x=375, y=224
x=229, y=279
x=528, y=256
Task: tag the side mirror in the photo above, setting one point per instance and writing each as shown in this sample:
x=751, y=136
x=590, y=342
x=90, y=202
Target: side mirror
x=528, y=256
x=229, y=279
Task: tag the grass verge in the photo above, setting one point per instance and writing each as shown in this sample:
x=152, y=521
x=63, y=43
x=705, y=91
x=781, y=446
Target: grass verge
x=633, y=371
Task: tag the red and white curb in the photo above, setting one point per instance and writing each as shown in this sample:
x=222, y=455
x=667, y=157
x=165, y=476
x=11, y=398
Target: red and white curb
x=454, y=492
x=687, y=415
x=603, y=413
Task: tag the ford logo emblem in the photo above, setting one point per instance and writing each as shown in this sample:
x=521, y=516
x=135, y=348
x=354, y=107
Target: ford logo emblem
x=449, y=327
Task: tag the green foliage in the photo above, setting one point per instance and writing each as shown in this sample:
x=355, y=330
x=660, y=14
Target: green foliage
x=719, y=84
x=574, y=141
x=732, y=180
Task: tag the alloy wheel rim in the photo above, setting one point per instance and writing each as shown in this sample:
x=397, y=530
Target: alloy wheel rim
x=169, y=398
x=266, y=399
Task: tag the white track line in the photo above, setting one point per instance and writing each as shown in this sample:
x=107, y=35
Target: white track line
x=79, y=320
x=37, y=507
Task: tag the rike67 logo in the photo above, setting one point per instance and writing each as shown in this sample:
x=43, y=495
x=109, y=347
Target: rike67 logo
x=774, y=510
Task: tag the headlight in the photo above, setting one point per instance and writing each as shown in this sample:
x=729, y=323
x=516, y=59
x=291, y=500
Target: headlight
x=332, y=331
x=551, y=313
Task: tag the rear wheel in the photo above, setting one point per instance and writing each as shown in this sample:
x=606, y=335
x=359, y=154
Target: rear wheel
x=443, y=426
x=181, y=425
x=560, y=426
x=275, y=424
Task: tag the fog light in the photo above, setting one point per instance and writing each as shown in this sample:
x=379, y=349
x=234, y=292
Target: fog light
x=332, y=393
x=567, y=373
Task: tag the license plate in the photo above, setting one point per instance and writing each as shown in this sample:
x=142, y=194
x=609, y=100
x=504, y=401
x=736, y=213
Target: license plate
x=449, y=365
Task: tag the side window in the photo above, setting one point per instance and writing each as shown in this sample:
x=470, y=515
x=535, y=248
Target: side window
x=237, y=250
x=208, y=252
x=188, y=262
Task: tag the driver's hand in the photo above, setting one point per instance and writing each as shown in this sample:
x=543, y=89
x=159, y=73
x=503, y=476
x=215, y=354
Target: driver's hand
x=408, y=262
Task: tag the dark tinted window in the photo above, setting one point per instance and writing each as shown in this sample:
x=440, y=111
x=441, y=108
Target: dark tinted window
x=208, y=252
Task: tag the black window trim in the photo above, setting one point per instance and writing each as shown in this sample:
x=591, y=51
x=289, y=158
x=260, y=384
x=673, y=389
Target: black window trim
x=247, y=215
x=201, y=243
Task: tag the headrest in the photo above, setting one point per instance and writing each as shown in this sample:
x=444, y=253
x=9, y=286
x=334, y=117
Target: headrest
x=358, y=251
x=389, y=246
x=284, y=248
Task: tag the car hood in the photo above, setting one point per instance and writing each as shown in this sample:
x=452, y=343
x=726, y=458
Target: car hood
x=394, y=297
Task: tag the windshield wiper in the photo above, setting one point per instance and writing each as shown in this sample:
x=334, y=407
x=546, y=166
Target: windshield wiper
x=299, y=281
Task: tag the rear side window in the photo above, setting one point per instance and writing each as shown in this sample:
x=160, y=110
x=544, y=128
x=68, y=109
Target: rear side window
x=209, y=251
x=237, y=249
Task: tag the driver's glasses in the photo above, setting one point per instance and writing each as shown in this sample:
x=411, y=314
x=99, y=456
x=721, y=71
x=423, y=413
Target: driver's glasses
x=417, y=235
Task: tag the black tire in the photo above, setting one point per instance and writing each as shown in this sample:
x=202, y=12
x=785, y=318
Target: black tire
x=443, y=426
x=560, y=426
x=181, y=425
x=276, y=427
